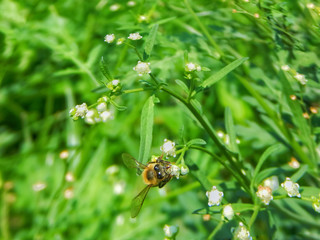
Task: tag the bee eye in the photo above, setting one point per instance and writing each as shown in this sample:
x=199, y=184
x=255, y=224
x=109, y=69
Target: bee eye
x=156, y=167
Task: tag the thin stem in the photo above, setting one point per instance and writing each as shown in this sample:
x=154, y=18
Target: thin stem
x=215, y=230
x=133, y=90
x=254, y=215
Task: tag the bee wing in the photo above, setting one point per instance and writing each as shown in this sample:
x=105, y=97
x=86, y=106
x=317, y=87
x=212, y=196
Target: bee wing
x=131, y=162
x=137, y=202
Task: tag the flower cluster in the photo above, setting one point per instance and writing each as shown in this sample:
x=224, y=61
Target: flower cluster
x=191, y=67
x=242, y=233
x=110, y=38
x=168, y=148
x=92, y=115
x=225, y=137
x=299, y=77
x=214, y=196
x=265, y=194
x=114, y=85
x=142, y=68
x=291, y=188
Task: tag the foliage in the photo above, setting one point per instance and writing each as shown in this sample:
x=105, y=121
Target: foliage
x=235, y=84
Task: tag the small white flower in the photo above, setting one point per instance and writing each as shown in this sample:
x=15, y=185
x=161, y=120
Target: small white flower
x=68, y=193
x=301, y=78
x=214, y=196
x=272, y=183
x=242, y=233
x=220, y=134
x=115, y=82
x=39, y=186
x=79, y=111
x=69, y=177
x=131, y=3
x=256, y=15
x=190, y=67
x=291, y=188
x=120, y=41
x=310, y=6
x=118, y=187
x=91, y=116
x=265, y=194
x=113, y=169
x=135, y=36
x=228, y=212
x=115, y=7
x=294, y=163
x=109, y=38
x=64, y=154
x=168, y=148
x=175, y=171
x=106, y=115
x=285, y=68
x=184, y=169
x=142, y=18
x=142, y=68
x=170, y=231
x=102, y=107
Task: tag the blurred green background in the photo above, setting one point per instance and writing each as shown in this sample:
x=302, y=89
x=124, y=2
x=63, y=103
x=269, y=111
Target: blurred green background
x=50, y=53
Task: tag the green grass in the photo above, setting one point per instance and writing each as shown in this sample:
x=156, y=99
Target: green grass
x=51, y=61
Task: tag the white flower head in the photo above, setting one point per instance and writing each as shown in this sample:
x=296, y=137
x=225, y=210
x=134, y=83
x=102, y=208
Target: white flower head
x=113, y=169
x=242, y=233
x=142, y=18
x=118, y=187
x=142, y=68
x=311, y=6
x=294, y=163
x=175, y=171
x=79, y=111
x=301, y=78
x=114, y=85
x=272, y=183
x=214, y=196
x=265, y=194
x=91, y=116
x=228, y=212
x=64, y=154
x=106, y=115
x=285, y=68
x=190, y=67
x=102, y=107
x=69, y=177
x=39, y=186
x=109, y=38
x=135, y=36
x=170, y=231
x=131, y=3
x=68, y=193
x=291, y=188
x=316, y=204
x=168, y=148
x=115, y=7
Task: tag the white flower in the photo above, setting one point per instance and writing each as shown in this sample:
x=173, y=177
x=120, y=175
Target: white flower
x=131, y=3
x=106, y=115
x=120, y=41
x=91, y=116
x=68, y=193
x=291, y=188
x=170, y=231
x=214, y=196
x=265, y=194
x=118, y=187
x=294, y=163
x=69, y=177
x=39, y=186
x=272, y=183
x=184, y=169
x=301, y=78
x=120, y=220
x=310, y=6
x=242, y=233
x=142, y=18
x=142, y=68
x=256, y=15
x=109, y=38
x=285, y=68
x=113, y=169
x=102, y=107
x=168, y=148
x=228, y=212
x=114, y=85
x=175, y=171
x=79, y=111
x=115, y=7
x=135, y=36
x=64, y=154
x=190, y=67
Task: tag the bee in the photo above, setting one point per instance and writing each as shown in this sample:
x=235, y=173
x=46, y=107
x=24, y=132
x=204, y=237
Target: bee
x=155, y=174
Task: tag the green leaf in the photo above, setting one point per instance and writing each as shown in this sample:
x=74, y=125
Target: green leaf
x=196, y=141
x=300, y=173
x=261, y=161
x=268, y=173
x=93, y=56
x=197, y=105
x=105, y=70
x=223, y=72
x=151, y=39
x=182, y=85
x=146, y=130
x=198, y=174
x=118, y=107
x=230, y=131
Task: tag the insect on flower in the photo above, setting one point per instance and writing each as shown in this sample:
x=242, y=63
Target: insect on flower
x=155, y=174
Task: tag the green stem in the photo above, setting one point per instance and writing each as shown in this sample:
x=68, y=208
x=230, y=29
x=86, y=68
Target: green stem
x=5, y=216
x=133, y=90
x=254, y=215
x=215, y=230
